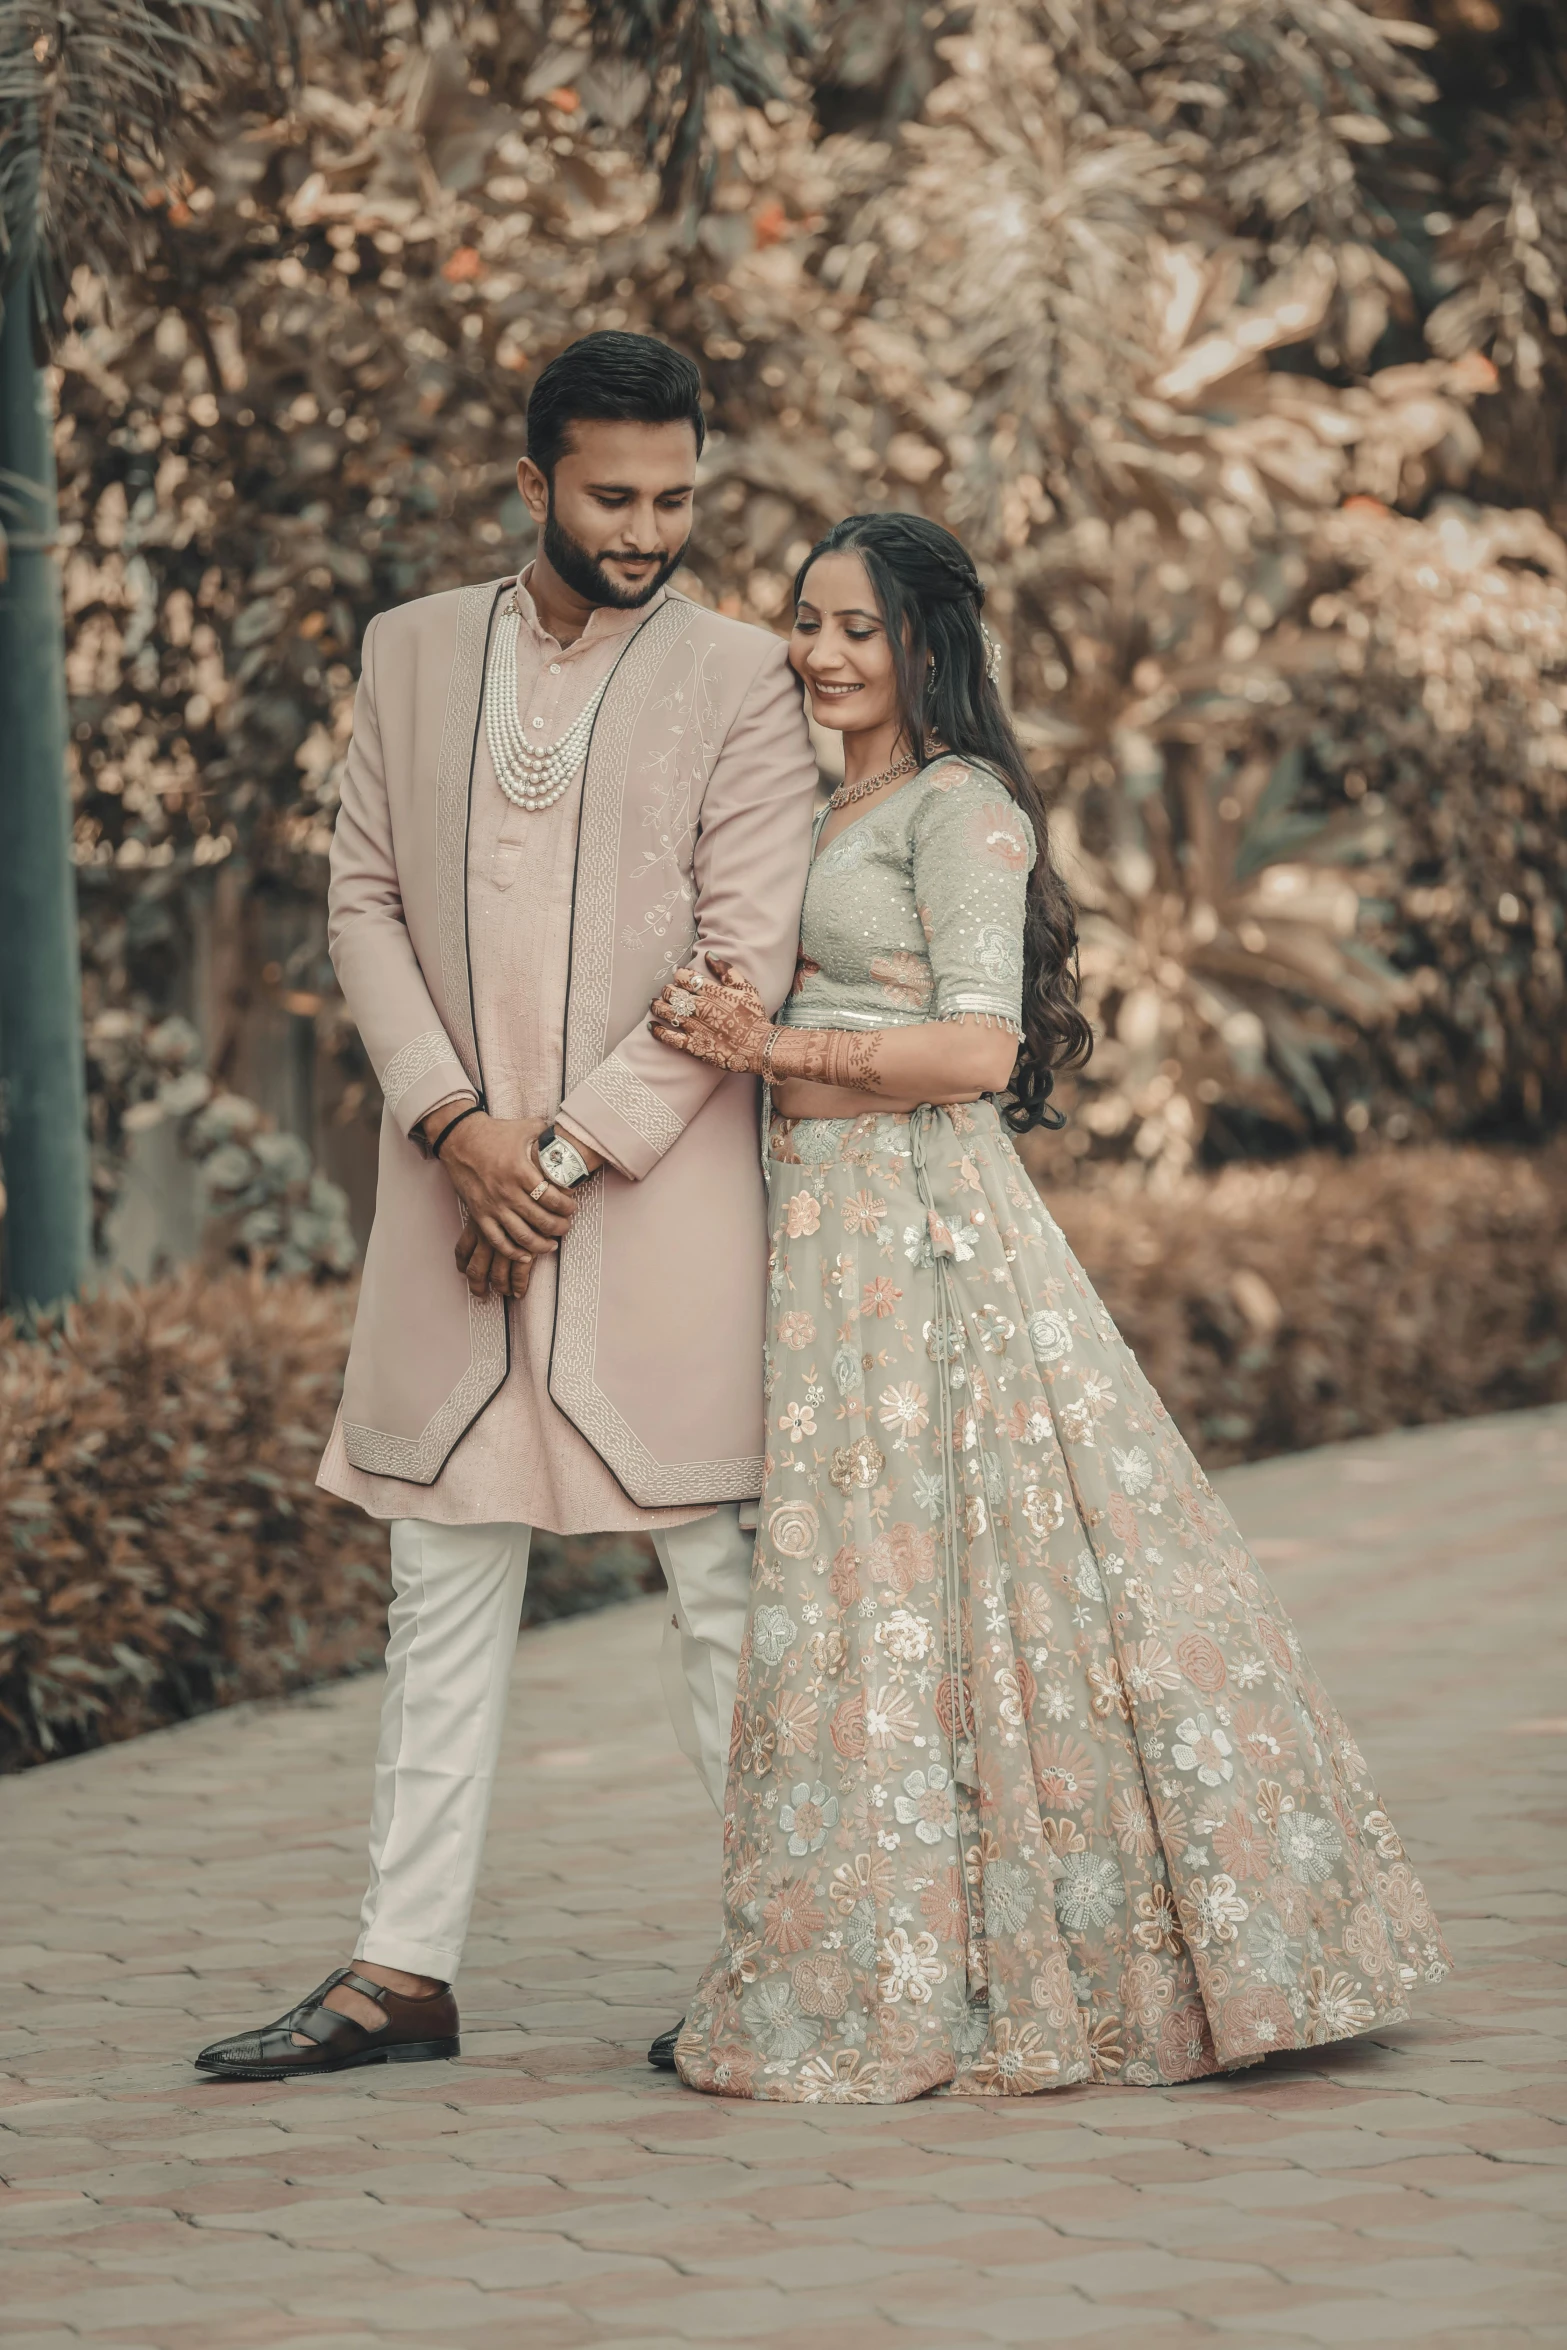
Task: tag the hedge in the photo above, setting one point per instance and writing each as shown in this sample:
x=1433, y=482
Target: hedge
x=1276, y=1308
x=164, y=1548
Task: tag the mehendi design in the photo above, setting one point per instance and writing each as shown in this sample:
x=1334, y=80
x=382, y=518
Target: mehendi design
x=841, y=1057
x=721, y=1020
x=716, y=1016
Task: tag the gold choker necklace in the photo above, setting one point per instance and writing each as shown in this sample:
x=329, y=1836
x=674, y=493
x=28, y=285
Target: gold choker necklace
x=846, y=794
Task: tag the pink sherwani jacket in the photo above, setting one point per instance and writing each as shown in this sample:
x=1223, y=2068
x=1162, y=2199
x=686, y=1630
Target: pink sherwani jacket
x=694, y=834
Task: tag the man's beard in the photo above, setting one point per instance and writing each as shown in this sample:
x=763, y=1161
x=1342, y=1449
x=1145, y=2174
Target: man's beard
x=586, y=576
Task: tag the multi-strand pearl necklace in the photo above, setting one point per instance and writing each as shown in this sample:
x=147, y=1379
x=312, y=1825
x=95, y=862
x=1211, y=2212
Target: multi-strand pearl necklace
x=532, y=776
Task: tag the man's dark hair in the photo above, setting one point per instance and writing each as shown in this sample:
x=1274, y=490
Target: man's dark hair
x=611, y=378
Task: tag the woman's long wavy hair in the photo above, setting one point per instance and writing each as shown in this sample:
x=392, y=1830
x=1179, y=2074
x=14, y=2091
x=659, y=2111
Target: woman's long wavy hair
x=929, y=596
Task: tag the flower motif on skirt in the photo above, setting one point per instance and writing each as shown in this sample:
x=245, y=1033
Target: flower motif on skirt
x=858, y=1466
x=1031, y=1781
x=807, y=1816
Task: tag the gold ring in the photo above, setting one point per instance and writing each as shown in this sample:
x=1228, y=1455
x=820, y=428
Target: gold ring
x=536, y=1196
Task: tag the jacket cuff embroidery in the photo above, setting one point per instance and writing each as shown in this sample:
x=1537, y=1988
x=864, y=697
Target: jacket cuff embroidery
x=415, y=1059
x=647, y=1113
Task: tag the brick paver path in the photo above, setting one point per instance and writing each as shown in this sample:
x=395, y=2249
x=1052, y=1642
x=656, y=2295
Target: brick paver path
x=549, y=2190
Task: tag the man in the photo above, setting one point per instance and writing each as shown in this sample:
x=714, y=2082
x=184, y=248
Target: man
x=557, y=789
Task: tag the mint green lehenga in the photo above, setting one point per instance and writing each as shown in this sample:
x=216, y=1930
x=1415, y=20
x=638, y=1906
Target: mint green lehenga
x=1030, y=1780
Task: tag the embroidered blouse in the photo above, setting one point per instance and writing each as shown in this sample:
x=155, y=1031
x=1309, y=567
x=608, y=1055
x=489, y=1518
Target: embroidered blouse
x=915, y=911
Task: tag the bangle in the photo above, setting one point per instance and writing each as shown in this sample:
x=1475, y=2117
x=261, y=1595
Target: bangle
x=472, y=1111
x=768, y=1050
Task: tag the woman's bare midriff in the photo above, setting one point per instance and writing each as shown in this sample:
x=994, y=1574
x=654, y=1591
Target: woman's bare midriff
x=796, y=1097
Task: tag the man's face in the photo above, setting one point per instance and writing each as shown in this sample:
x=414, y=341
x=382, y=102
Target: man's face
x=617, y=517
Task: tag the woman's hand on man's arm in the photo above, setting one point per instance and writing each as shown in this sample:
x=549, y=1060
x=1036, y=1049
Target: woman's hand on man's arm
x=719, y=1018
x=716, y=1016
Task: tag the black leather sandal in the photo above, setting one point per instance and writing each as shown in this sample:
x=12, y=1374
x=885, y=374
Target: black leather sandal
x=416, y=2031
x=661, y=2056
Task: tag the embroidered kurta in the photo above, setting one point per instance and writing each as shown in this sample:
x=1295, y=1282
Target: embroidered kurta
x=523, y=1462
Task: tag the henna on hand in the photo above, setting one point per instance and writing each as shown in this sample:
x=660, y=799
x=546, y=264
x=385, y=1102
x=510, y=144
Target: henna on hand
x=722, y=1021
x=719, y=1019
x=841, y=1057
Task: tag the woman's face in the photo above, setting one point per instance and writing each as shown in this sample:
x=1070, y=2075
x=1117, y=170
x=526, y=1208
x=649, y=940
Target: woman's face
x=840, y=648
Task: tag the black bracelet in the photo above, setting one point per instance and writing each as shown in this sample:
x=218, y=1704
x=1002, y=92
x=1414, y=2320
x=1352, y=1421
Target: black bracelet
x=472, y=1111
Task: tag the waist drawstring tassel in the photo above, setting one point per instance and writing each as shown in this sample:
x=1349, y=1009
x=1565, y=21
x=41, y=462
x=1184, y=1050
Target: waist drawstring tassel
x=946, y=1339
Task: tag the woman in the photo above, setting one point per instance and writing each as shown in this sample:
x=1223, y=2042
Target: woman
x=1030, y=1781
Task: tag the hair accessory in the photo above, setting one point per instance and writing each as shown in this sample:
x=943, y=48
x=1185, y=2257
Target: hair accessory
x=992, y=655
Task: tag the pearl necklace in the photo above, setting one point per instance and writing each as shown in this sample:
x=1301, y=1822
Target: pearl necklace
x=846, y=795
x=533, y=776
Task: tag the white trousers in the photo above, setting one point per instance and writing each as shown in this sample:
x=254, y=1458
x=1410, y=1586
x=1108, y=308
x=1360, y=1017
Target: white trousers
x=456, y=1602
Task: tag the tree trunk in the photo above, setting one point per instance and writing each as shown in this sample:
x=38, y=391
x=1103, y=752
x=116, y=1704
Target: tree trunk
x=43, y=1095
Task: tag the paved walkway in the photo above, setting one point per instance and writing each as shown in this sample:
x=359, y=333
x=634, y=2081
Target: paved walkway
x=548, y=2190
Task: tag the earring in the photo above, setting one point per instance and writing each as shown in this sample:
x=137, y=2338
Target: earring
x=930, y=679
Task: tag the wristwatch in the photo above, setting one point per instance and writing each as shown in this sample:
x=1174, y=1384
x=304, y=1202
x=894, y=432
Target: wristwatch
x=561, y=1160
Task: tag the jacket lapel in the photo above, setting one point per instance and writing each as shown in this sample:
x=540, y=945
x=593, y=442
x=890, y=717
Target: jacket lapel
x=476, y=610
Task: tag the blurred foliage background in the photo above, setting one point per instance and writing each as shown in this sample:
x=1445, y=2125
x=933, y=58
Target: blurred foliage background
x=1233, y=340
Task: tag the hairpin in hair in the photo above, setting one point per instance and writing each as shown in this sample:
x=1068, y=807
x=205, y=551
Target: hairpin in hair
x=992, y=654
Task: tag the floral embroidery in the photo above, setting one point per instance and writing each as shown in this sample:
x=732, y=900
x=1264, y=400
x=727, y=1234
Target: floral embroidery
x=927, y=1806
x=936, y=877
x=791, y=1528
x=1106, y=1824
x=904, y=979
x=806, y=1818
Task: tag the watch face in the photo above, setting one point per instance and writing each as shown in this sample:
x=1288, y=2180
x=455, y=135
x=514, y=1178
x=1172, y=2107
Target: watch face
x=561, y=1163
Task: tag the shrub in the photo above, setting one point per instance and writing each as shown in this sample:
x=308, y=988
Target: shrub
x=163, y=1545
x=265, y=1203
x=1275, y=1308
